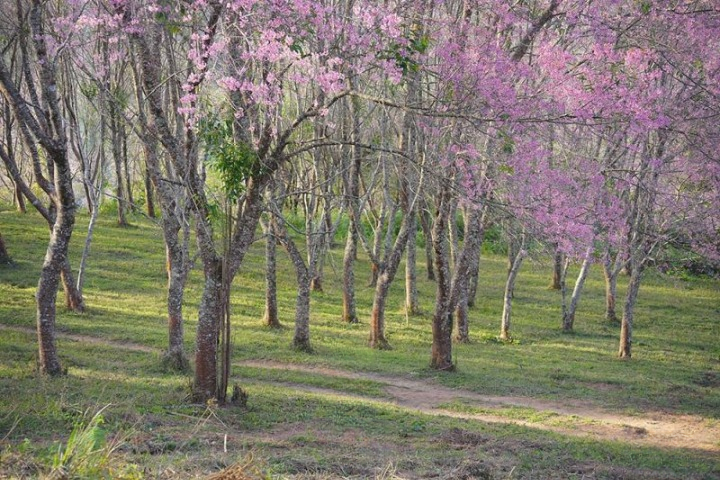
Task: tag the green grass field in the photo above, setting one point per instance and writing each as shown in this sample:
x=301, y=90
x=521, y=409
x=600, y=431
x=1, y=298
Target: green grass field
x=316, y=423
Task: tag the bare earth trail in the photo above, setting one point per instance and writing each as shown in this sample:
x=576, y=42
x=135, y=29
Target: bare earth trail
x=658, y=429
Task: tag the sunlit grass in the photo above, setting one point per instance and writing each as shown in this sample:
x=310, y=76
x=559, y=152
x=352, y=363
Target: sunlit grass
x=676, y=360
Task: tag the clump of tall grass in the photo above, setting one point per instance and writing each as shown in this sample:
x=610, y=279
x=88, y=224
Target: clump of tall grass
x=88, y=453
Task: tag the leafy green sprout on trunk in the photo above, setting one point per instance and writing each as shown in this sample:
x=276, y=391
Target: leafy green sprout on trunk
x=233, y=159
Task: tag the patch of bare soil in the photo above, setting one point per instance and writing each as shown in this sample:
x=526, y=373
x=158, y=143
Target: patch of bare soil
x=658, y=429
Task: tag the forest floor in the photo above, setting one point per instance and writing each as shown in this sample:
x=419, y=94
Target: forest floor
x=570, y=417
x=546, y=406
x=421, y=396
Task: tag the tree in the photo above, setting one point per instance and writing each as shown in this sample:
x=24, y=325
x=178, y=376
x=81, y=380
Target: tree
x=35, y=79
x=4, y=255
x=48, y=131
x=247, y=143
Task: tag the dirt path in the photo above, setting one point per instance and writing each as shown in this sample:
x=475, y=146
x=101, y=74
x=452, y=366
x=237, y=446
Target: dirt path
x=653, y=428
x=657, y=429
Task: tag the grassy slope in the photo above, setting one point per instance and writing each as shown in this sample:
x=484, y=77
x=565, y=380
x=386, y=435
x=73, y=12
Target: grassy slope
x=676, y=368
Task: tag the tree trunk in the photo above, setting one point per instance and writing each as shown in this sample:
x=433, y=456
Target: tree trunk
x=117, y=158
x=512, y=252
x=453, y=234
x=176, y=250
x=352, y=189
x=4, y=255
x=73, y=297
x=94, y=211
x=610, y=275
x=569, y=314
x=50, y=133
x=377, y=319
x=126, y=167
x=270, y=317
x=301, y=339
x=374, y=274
x=19, y=199
x=56, y=261
x=509, y=288
x=314, y=243
x=467, y=283
x=427, y=233
x=626, y=327
x=385, y=276
x=462, y=320
x=49, y=361
x=377, y=246
x=349, y=311
x=149, y=195
x=475, y=270
x=176, y=254
x=205, y=381
x=557, y=270
x=412, y=304
x=441, y=352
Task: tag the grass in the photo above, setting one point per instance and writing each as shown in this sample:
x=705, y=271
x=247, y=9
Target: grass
x=525, y=414
x=356, y=432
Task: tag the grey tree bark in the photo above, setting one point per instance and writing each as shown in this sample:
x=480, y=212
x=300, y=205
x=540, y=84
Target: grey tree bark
x=441, y=352
x=474, y=234
x=557, y=270
x=270, y=317
x=642, y=236
x=626, y=325
x=509, y=288
x=176, y=234
x=385, y=275
x=425, y=221
x=301, y=339
x=611, y=270
x=412, y=301
x=568, y=320
x=5, y=258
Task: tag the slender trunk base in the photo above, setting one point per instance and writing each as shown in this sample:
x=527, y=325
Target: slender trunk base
x=462, y=334
x=149, y=195
x=377, y=321
x=302, y=345
x=270, y=318
x=349, y=257
x=316, y=284
x=19, y=199
x=374, y=271
x=427, y=234
x=205, y=381
x=73, y=297
x=175, y=360
x=610, y=314
x=48, y=359
x=4, y=255
x=626, y=326
x=441, y=354
x=625, y=350
x=557, y=271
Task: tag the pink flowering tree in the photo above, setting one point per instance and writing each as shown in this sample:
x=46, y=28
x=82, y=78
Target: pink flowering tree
x=243, y=57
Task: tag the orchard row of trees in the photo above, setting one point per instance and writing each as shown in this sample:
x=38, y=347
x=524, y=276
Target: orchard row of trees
x=588, y=127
